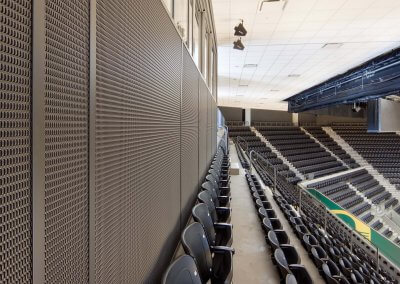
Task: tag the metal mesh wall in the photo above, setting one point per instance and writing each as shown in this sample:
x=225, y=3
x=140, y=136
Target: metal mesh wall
x=189, y=135
x=209, y=122
x=66, y=141
x=15, y=141
x=137, y=198
x=203, y=160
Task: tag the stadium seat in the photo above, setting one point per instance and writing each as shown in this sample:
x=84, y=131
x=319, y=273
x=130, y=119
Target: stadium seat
x=218, y=214
x=285, y=268
x=213, y=264
x=276, y=238
x=269, y=224
x=331, y=272
x=182, y=270
x=219, y=200
x=319, y=256
x=218, y=234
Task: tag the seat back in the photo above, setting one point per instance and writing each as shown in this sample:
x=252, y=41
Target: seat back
x=281, y=262
x=212, y=179
x=290, y=279
x=202, y=215
x=212, y=191
x=182, y=270
x=205, y=197
x=195, y=244
x=291, y=255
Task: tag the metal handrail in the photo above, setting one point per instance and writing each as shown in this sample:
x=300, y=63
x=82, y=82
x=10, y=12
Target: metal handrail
x=326, y=214
x=241, y=140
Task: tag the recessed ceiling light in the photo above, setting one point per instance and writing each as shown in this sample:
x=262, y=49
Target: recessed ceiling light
x=250, y=65
x=293, y=75
x=243, y=85
x=239, y=95
x=274, y=90
x=330, y=45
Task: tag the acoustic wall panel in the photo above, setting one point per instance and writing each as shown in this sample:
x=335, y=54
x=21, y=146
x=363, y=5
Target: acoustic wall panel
x=137, y=175
x=66, y=141
x=203, y=158
x=15, y=141
x=189, y=136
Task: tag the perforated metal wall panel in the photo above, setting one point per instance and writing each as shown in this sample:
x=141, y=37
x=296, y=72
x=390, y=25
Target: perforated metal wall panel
x=189, y=136
x=209, y=132
x=137, y=180
x=15, y=141
x=203, y=158
x=66, y=141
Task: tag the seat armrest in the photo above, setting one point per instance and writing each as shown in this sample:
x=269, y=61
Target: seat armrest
x=222, y=249
x=222, y=225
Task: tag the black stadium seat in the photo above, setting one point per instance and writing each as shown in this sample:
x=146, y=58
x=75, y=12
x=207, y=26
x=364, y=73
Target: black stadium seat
x=213, y=264
x=182, y=270
x=218, y=234
x=218, y=214
x=286, y=267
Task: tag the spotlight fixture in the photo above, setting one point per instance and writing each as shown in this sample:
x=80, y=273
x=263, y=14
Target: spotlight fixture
x=238, y=44
x=240, y=30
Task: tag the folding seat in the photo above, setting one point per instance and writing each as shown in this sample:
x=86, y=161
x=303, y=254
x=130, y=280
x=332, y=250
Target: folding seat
x=182, y=270
x=286, y=267
x=290, y=279
x=224, y=190
x=301, y=230
x=294, y=221
x=223, y=174
x=263, y=204
x=219, y=201
x=218, y=234
x=309, y=241
x=356, y=277
x=262, y=213
x=256, y=196
x=269, y=224
x=222, y=182
x=319, y=256
x=331, y=272
x=345, y=266
x=218, y=214
x=335, y=253
x=213, y=264
x=277, y=238
x=326, y=243
x=291, y=213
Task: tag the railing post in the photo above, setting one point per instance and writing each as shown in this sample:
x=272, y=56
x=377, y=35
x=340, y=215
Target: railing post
x=377, y=259
x=325, y=218
x=274, y=180
x=300, y=190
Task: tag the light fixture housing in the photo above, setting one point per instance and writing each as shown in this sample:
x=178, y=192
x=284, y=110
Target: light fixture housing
x=240, y=30
x=238, y=44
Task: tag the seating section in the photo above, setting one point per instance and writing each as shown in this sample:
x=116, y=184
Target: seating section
x=328, y=142
x=207, y=239
x=338, y=190
x=301, y=151
x=326, y=243
x=284, y=255
x=254, y=142
x=381, y=150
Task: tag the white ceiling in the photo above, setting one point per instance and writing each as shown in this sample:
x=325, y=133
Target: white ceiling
x=291, y=42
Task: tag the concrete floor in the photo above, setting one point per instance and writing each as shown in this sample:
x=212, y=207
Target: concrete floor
x=252, y=260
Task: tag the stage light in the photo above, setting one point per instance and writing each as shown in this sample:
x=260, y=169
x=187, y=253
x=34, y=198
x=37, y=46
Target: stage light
x=238, y=44
x=240, y=30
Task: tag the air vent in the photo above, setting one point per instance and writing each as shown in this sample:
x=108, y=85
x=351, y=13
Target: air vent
x=250, y=65
x=243, y=85
x=332, y=45
x=293, y=75
x=274, y=90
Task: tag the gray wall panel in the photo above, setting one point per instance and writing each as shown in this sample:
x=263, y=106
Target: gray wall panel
x=66, y=141
x=138, y=134
x=202, y=129
x=189, y=136
x=232, y=113
x=270, y=115
x=15, y=142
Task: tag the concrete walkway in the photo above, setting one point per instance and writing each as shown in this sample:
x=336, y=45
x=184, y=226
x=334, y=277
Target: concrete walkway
x=252, y=261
